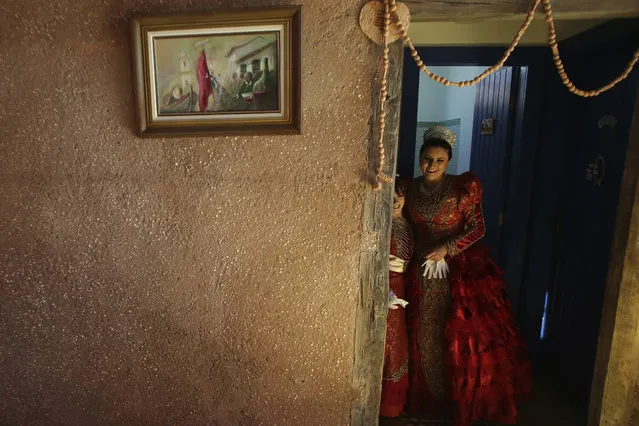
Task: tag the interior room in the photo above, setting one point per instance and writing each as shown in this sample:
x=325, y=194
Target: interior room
x=196, y=204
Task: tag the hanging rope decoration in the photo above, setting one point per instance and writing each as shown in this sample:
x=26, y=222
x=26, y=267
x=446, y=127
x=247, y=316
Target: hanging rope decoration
x=381, y=176
x=439, y=79
x=552, y=42
x=390, y=9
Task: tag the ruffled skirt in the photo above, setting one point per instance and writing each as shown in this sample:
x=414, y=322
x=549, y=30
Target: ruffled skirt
x=481, y=349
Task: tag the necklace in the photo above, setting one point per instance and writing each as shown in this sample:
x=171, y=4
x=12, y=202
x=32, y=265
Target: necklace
x=430, y=190
x=428, y=199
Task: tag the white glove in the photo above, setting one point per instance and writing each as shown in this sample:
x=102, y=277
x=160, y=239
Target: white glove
x=433, y=269
x=395, y=302
x=442, y=269
x=429, y=268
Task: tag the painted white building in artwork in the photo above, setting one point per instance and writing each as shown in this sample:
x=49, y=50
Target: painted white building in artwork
x=252, y=54
x=186, y=72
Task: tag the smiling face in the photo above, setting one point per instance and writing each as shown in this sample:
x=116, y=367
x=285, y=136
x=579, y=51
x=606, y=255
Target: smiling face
x=398, y=204
x=433, y=163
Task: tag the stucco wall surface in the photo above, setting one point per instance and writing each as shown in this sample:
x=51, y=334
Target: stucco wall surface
x=174, y=281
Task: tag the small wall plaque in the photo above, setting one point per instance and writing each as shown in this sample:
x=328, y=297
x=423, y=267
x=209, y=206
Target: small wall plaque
x=487, y=126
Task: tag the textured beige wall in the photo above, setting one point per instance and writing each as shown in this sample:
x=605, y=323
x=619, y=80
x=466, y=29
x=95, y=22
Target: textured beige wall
x=173, y=281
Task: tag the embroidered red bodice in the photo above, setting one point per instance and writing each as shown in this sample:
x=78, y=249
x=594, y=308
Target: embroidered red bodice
x=449, y=214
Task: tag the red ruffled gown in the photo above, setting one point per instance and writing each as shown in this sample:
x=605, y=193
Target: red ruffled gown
x=395, y=374
x=467, y=357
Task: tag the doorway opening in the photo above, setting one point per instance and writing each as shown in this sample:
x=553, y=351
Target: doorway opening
x=546, y=170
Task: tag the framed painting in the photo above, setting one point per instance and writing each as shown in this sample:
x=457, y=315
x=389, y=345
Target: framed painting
x=232, y=72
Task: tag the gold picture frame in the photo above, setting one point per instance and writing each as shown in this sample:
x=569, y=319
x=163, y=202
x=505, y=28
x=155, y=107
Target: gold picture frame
x=231, y=72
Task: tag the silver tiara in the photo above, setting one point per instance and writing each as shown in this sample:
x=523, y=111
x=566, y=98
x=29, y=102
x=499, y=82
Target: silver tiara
x=440, y=132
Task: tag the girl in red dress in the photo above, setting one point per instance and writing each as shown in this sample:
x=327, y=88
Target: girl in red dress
x=467, y=356
x=395, y=374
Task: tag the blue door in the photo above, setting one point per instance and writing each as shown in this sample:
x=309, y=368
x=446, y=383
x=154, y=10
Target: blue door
x=490, y=150
x=591, y=137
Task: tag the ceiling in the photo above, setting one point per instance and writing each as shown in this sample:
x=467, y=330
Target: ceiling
x=493, y=32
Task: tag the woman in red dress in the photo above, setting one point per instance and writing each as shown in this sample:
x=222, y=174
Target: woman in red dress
x=395, y=374
x=467, y=356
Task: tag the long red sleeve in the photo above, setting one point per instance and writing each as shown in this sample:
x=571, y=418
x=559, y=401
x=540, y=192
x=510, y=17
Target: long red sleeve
x=474, y=226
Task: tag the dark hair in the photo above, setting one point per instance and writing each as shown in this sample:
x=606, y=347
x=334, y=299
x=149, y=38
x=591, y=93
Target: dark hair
x=439, y=143
x=400, y=186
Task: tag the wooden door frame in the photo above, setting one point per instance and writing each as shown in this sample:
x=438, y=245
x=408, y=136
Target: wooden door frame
x=616, y=374
x=614, y=379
